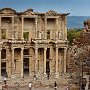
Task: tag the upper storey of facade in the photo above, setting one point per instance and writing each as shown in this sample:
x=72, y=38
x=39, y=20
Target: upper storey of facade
x=29, y=25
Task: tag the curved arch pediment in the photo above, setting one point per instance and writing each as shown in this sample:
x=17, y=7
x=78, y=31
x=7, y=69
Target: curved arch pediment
x=7, y=11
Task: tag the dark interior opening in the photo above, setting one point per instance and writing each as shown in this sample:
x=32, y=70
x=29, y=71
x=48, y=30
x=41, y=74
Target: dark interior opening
x=3, y=54
x=48, y=61
x=48, y=53
x=26, y=66
x=3, y=69
x=26, y=51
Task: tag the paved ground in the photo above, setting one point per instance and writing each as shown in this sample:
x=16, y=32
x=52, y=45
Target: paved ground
x=40, y=88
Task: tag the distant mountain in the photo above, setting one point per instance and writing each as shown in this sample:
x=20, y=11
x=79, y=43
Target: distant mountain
x=76, y=21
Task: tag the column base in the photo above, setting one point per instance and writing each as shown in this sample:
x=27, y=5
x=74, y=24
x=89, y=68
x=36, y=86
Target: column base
x=35, y=76
x=13, y=76
x=21, y=75
x=45, y=75
x=56, y=75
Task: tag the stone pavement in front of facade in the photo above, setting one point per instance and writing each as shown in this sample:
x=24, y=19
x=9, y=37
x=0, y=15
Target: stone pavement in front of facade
x=40, y=88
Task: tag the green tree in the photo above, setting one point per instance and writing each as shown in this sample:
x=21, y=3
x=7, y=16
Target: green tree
x=73, y=34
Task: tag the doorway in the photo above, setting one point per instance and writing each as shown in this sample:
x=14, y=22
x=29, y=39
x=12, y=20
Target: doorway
x=48, y=61
x=26, y=66
x=3, y=69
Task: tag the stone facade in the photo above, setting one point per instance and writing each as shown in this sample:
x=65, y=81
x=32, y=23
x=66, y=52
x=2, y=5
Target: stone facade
x=32, y=43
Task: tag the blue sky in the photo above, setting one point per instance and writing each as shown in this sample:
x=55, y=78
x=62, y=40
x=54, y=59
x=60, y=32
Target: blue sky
x=74, y=7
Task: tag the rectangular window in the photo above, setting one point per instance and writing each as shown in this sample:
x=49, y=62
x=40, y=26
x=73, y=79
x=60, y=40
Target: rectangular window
x=3, y=54
x=26, y=35
x=3, y=33
x=48, y=34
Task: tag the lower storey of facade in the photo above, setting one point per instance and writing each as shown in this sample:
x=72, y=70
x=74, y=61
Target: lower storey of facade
x=18, y=60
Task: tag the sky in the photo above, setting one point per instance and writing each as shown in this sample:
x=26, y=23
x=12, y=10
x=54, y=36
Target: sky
x=74, y=7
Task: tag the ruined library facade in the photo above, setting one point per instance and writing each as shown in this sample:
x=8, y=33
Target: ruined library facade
x=32, y=43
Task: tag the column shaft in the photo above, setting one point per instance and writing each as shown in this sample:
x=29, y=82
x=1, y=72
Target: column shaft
x=22, y=27
x=36, y=60
x=65, y=51
x=13, y=28
x=65, y=29
x=13, y=66
x=62, y=27
x=36, y=28
x=45, y=28
x=0, y=27
x=56, y=28
x=0, y=63
x=21, y=62
x=57, y=74
x=8, y=62
x=45, y=60
x=56, y=59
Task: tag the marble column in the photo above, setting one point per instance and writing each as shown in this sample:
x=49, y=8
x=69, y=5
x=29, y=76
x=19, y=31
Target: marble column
x=36, y=60
x=57, y=28
x=45, y=28
x=13, y=28
x=22, y=28
x=8, y=62
x=45, y=61
x=51, y=61
x=0, y=27
x=62, y=27
x=13, y=64
x=30, y=62
x=22, y=62
x=57, y=74
x=65, y=52
x=0, y=63
x=65, y=29
x=36, y=28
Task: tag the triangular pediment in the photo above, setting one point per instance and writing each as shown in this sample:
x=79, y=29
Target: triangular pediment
x=51, y=12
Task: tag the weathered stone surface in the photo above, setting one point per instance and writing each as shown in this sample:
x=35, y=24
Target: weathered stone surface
x=32, y=44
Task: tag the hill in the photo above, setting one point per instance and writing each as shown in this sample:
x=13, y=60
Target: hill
x=76, y=21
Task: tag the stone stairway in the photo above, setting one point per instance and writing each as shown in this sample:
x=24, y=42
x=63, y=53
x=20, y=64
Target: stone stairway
x=62, y=81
